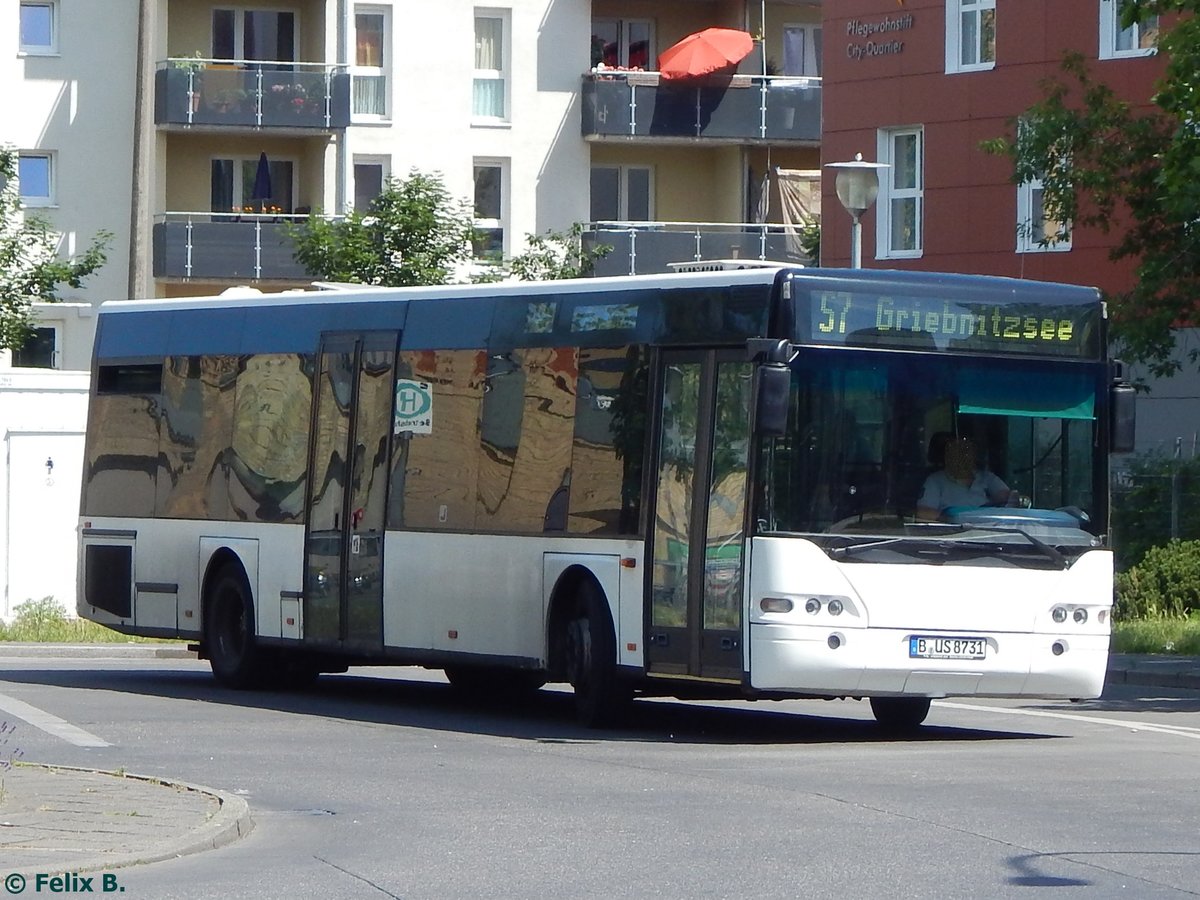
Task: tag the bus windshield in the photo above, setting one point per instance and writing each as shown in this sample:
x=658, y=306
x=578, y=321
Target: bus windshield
x=869, y=435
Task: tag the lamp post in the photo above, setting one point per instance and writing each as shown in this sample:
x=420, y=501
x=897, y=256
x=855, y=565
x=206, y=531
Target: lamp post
x=857, y=186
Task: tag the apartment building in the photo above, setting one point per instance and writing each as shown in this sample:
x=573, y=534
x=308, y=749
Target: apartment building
x=197, y=132
x=917, y=85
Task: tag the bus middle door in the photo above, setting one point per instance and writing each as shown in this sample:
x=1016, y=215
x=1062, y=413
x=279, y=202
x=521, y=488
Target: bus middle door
x=347, y=490
x=694, y=621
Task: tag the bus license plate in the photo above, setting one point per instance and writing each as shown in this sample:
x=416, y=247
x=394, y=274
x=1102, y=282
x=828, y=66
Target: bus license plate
x=946, y=647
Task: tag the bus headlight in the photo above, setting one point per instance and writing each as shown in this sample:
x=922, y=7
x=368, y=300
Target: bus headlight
x=1080, y=616
x=1059, y=615
x=835, y=607
x=813, y=606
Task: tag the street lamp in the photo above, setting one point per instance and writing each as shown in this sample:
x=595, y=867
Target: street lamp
x=857, y=186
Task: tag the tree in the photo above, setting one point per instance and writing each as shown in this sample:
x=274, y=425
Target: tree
x=557, y=255
x=1105, y=166
x=414, y=232
x=30, y=268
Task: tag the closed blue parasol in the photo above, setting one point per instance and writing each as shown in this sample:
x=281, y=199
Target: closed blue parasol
x=262, y=180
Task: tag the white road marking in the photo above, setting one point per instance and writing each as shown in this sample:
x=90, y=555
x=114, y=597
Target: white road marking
x=1185, y=731
x=51, y=724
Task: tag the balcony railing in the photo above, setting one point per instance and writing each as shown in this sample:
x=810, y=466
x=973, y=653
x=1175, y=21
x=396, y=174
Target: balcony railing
x=192, y=91
x=643, y=248
x=738, y=107
x=224, y=246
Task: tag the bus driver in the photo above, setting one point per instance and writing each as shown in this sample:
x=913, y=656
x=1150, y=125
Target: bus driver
x=960, y=482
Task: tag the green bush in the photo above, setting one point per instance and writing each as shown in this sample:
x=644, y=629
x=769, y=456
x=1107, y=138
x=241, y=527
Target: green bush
x=1165, y=584
x=46, y=621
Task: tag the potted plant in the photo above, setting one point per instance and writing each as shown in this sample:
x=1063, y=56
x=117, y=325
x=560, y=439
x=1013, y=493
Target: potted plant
x=191, y=67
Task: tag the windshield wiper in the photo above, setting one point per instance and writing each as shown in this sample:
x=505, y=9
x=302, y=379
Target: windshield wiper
x=851, y=549
x=1045, y=548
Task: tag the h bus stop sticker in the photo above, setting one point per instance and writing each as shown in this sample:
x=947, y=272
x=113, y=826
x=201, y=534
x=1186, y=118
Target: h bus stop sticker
x=414, y=407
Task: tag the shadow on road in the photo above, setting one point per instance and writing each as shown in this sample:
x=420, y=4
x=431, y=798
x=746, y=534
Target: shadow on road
x=1133, y=698
x=546, y=716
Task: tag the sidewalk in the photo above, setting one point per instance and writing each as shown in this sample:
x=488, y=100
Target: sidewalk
x=56, y=819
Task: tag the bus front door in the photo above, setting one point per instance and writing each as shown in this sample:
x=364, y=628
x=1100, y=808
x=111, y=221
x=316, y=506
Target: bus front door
x=347, y=491
x=694, y=620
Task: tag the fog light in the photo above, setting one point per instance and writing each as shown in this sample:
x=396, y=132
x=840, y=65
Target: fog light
x=834, y=641
x=1059, y=614
x=813, y=606
x=835, y=607
x=776, y=605
x=1058, y=648
x=1080, y=616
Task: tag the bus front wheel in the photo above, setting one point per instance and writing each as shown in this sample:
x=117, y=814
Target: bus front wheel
x=591, y=657
x=229, y=631
x=900, y=713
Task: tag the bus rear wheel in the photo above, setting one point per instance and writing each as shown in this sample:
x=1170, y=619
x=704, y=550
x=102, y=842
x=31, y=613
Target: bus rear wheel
x=900, y=713
x=591, y=657
x=229, y=631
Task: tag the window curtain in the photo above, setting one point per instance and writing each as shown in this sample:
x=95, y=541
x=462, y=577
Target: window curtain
x=489, y=91
x=799, y=203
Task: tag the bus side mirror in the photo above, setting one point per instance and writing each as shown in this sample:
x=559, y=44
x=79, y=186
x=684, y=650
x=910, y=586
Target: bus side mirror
x=1123, y=409
x=772, y=385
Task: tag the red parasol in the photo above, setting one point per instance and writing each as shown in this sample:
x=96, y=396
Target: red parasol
x=704, y=52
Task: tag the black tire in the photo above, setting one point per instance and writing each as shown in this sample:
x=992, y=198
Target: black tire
x=229, y=631
x=488, y=683
x=601, y=698
x=900, y=713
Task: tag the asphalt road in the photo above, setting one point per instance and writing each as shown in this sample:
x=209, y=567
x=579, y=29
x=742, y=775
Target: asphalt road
x=380, y=783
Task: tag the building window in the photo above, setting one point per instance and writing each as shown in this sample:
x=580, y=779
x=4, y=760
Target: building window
x=254, y=34
x=39, y=27
x=970, y=35
x=622, y=194
x=39, y=352
x=1036, y=231
x=35, y=177
x=1139, y=39
x=371, y=28
x=802, y=50
x=901, y=193
x=491, y=66
x=237, y=187
x=370, y=175
x=489, y=210
x=623, y=43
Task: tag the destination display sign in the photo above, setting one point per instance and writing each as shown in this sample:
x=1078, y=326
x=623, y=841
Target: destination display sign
x=975, y=325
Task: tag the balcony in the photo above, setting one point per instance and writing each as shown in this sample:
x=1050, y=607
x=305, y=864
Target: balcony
x=225, y=247
x=738, y=108
x=237, y=93
x=642, y=248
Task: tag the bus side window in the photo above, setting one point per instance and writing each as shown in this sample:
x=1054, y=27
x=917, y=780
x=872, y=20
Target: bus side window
x=525, y=439
x=435, y=467
x=122, y=441
x=268, y=454
x=609, y=439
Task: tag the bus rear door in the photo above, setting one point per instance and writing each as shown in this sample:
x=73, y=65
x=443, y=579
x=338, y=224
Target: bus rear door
x=347, y=491
x=694, y=620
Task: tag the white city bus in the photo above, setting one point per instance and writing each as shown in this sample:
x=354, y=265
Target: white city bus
x=694, y=485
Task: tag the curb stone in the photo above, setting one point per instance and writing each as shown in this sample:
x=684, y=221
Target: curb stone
x=231, y=822
x=98, y=651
